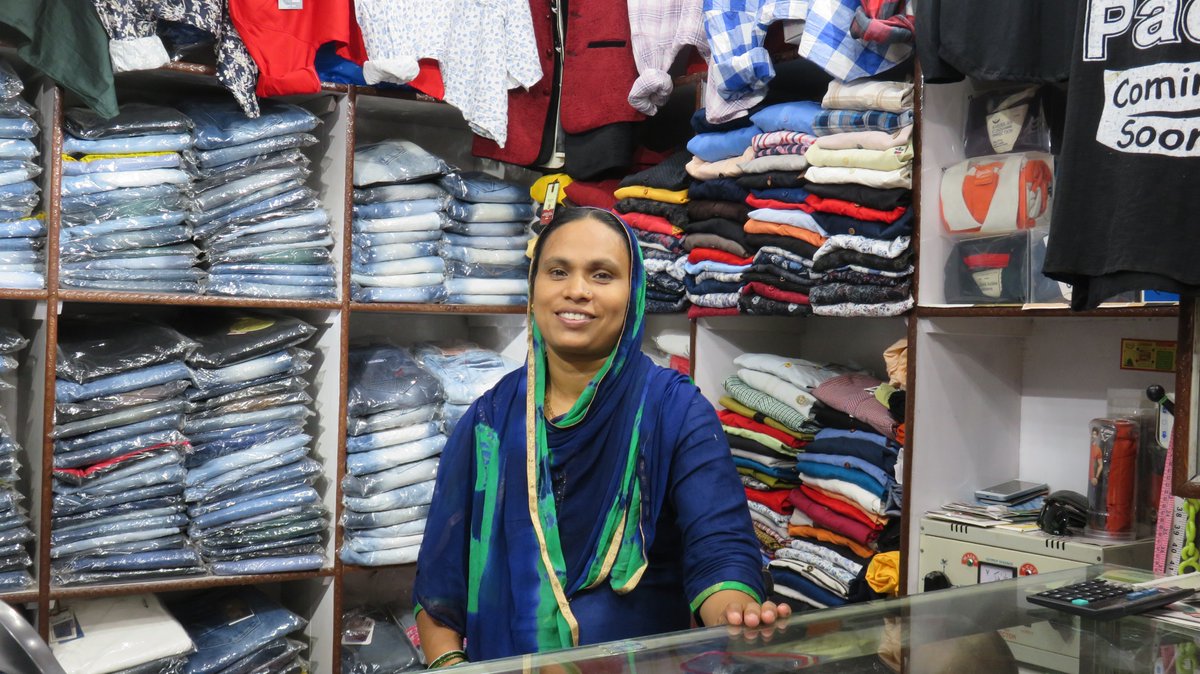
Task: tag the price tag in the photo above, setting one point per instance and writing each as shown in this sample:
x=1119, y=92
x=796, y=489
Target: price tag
x=291, y=4
x=550, y=203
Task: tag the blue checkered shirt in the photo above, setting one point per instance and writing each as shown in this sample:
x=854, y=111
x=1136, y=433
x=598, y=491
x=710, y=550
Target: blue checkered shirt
x=736, y=29
x=828, y=43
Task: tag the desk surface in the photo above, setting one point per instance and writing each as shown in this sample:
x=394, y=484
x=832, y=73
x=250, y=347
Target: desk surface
x=984, y=628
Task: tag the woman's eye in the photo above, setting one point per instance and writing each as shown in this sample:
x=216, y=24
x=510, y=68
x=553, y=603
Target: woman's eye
x=604, y=276
x=557, y=273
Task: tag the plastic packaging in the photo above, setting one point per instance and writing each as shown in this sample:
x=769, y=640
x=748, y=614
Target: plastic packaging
x=92, y=349
x=387, y=378
x=238, y=439
x=16, y=170
x=395, y=161
x=251, y=184
x=16, y=107
x=222, y=339
x=92, y=454
x=242, y=167
x=130, y=415
x=405, y=192
x=1009, y=119
x=989, y=270
x=222, y=124
x=168, y=142
x=227, y=155
x=1016, y=188
x=80, y=477
x=1112, y=479
x=292, y=361
x=173, y=665
x=133, y=119
x=89, y=183
x=271, y=659
x=287, y=385
x=11, y=341
x=17, y=127
x=65, y=412
x=17, y=148
x=73, y=166
x=464, y=370
x=11, y=85
x=374, y=642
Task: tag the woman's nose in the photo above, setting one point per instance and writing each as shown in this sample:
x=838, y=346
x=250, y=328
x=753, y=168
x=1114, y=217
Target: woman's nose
x=577, y=288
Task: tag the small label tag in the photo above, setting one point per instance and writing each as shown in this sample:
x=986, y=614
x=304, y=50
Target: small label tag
x=550, y=203
x=1004, y=127
x=291, y=4
x=64, y=627
x=1150, y=355
x=990, y=281
x=358, y=631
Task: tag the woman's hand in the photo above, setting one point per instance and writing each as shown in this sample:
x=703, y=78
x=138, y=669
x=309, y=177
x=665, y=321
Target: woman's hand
x=751, y=614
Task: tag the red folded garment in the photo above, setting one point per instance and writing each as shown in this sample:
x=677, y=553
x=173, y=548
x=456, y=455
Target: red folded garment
x=731, y=418
x=769, y=291
x=775, y=499
x=681, y=365
x=834, y=521
x=852, y=210
x=702, y=254
x=651, y=223
x=598, y=194
x=840, y=506
x=759, y=202
x=109, y=463
x=696, y=311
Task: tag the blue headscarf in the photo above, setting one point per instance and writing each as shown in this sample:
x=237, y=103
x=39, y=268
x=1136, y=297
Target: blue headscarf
x=507, y=585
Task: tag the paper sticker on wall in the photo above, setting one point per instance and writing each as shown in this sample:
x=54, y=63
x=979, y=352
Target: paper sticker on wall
x=1150, y=355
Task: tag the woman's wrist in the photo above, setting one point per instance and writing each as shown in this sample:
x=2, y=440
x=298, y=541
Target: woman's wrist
x=452, y=657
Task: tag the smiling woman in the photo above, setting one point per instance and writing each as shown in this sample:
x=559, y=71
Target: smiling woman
x=590, y=496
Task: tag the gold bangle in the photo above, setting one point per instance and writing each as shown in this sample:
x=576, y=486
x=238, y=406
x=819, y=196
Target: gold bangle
x=446, y=657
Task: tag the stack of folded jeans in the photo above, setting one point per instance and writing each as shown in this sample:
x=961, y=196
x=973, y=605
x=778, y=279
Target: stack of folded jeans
x=392, y=455
x=239, y=629
x=124, y=202
x=21, y=237
x=398, y=219
x=465, y=372
x=14, y=523
x=249, y=481
x=262, y=230
x=118, y=510
x=484, y=244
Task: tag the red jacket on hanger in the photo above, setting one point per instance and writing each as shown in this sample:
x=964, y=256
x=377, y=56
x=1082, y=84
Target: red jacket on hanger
x=598, y=71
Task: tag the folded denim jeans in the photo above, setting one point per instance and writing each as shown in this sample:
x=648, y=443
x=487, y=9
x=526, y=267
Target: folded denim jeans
x=383, y=557
x=305, y=470
x=384, y=377
x=129, y=260
x=397, y=280
x=465, y=374
x=246, y=418
x=394, y=477
x=18, y=127
x=376, y=460
x=193, y=275
x=425, y=222
x=518, y=242
x=480, y=286
x=483, y=255
x=395, y=161
x=398, y=209
x=81, y=250
x=269, y=565
x=374, y=423
x=88, y=183
x=29, y=227
x=273, y=269
x=313, y=235
x=417, y=265
x=265, y=504
x=479, y=187
x=220, y=286
x=289, y=220
x=22, y=280
x=487, y=228
x=170, y=142
x=154, y=464
x=205, y=490
x=215, y=219
x=408, y=528
x=404, y=192
x=225, y=469
x=123, y=417
x=105, y=227
x=508, y=212
x=386, y=238
x=219, y=195
x=232, y=153
x=394, y=436
x=356, y=521
x=228, y=625
x=379, y=544
x=184, y=287
x=69, y=505
x=420, y=295
x=394, y=251
x=68, y=543
x=456, y=269
x=223, y=123
x=292, y=361
x=396, y=499
x=156, y=559
x=210, y=506
x=72, y=166
x=302, y=281
x=68, y=391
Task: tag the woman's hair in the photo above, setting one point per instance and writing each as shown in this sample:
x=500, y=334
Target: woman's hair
x=567, y=216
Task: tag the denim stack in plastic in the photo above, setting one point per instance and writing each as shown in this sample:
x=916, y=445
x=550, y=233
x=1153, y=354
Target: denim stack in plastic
x=262, y=230
x=249, y=481
x=124, y=202
x=465, y=372
x=15, y=533
x=21, y=236
x=118, y=510
x=484, y=243
x=239, y=630
x=398, y=220
x=393, y=444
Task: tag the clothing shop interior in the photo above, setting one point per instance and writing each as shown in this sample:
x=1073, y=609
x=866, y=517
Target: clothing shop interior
x=659, y=336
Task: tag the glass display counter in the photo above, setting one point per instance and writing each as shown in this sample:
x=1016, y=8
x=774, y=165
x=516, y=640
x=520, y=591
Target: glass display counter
x=982, y=629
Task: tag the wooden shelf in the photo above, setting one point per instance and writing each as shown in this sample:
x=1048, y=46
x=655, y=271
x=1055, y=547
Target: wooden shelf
x=21, y=597
x=1148, y=311
x=179, y=584
x=116, y=297
x=18, y=294
x=402, y=308
x=367, y=569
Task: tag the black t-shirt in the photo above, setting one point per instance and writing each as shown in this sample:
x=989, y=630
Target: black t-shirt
x=1123, y=214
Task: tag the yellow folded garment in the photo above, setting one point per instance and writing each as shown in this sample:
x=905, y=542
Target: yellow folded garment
x=883, y=573
x=100, y=157
x=652, y=193
x=879, y=160
x=538, y=189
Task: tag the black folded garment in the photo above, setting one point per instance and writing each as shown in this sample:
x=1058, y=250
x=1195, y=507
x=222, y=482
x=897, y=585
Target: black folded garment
x=780, y=278
x=862, y=278
x=676, y=214
x=788, y=243
x=840, y=293
x=667, y=175
x=772, y=180
x=703, y=209
x=871, y=197
x=993, y=269
x=757, y=305
x=664, y=283
x=845, y=257
x=721, y=189
x=831, y=418
x=714, y=242
x=725, y=228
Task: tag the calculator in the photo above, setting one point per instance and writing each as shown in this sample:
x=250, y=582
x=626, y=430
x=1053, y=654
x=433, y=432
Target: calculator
x=1105, y=600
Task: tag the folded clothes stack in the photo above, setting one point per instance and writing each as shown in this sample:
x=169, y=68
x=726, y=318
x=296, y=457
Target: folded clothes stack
x=239, y=629
x=249, y=483
x=820, y=483
x=15, y=533
x=262, y=229
x=399, y=215
x=653, y=202
x=122, y=635
x=485, y=240
x=118, y=511
x=718, y=252
x=859, y=184
x=465, y=372
x=393, y=446
x=124, y=202
x=22, y=264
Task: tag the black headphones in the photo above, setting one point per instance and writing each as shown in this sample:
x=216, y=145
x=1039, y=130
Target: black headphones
x=1063, y=510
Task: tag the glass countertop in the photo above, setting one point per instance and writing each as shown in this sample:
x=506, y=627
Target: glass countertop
x=981, y=629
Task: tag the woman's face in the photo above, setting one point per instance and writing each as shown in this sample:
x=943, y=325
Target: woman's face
x=581, y=290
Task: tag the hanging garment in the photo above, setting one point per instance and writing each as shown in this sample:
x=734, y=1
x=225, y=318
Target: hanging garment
x=284, y=42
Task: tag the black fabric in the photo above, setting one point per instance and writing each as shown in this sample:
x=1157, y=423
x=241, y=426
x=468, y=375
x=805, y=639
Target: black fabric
x=1123, y=213
x=757, y=305
x=225, y=339
x=976, y=285
x=871, y=197
x=700, y=123
x=729, y=229
x=779, y=278
x=788, y=243
x=668, y=174
x=862, y=278
x=676, y=214
x=601, y=151
x=844, y=257
x=841, y=293
x=703, y=209
x=721, y=189
x=92, y=348
x=1018, y=40
x=1023, y=103
x=752, y=446
x=844, y=224
x=827, y=416
x=772, y=180
x=664, y=283
x=896, y=404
